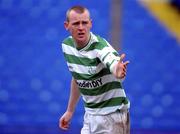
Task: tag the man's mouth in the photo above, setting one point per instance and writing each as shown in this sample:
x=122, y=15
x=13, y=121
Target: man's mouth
x=81, y=34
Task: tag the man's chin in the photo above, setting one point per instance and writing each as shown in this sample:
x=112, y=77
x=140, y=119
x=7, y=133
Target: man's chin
x=81, y=42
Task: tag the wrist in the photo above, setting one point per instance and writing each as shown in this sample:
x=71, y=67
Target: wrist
x=70, y=111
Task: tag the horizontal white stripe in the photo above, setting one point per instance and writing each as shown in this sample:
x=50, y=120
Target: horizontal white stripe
x=85, y=69
x=113, y=66
x=106, y=110
x=105, y=96
x=87, y=54
x=104, y=51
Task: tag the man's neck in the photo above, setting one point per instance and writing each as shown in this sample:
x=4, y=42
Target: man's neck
x=82, y=45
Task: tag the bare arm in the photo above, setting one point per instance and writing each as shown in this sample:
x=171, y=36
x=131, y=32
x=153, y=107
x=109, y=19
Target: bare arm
x=74, y=96
x=64, y=121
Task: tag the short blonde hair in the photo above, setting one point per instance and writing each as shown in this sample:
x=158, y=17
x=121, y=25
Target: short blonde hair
x=77, y=9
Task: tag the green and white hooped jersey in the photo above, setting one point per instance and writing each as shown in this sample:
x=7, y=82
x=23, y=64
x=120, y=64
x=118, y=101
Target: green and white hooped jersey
x=92, y=68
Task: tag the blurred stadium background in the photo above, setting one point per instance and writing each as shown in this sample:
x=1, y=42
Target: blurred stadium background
x=34, y=79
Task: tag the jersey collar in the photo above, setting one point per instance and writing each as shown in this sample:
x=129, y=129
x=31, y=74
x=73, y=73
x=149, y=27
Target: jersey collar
x=93, y=39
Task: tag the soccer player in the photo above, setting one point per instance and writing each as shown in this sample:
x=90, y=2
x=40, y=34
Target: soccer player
x=97, y=72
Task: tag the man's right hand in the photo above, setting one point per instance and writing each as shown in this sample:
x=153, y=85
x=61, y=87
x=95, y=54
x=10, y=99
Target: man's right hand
x=64, y=121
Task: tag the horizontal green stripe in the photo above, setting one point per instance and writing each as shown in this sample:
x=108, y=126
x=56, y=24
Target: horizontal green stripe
x=102, y=89
x=108, y=103
x=126, y=101
x=79, y=76
x=98, y=45
x=69, y=41
x=116, y=53
x=82, y=60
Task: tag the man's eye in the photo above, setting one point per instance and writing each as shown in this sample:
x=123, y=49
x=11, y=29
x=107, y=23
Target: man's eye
x=85, y=22
x=75, y=24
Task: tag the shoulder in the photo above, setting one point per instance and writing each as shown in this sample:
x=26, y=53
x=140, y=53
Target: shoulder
x=99, y=43
x=68, y=41
x=102, y=42
x=105, y=46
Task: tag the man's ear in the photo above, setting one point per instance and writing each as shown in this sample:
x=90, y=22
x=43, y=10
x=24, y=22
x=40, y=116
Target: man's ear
x=66, y=25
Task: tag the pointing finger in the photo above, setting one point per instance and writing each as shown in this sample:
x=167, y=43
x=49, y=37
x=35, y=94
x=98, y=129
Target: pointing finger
x=122, y=57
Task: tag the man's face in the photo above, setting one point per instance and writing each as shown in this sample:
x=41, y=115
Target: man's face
x=79, y=26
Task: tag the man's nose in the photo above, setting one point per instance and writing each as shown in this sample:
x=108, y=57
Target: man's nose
x=81, y=26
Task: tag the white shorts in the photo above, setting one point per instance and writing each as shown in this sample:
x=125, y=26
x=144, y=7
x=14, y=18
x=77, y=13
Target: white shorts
x=114, y=123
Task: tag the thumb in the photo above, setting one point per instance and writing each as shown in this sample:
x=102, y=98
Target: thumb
x=126, y=63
